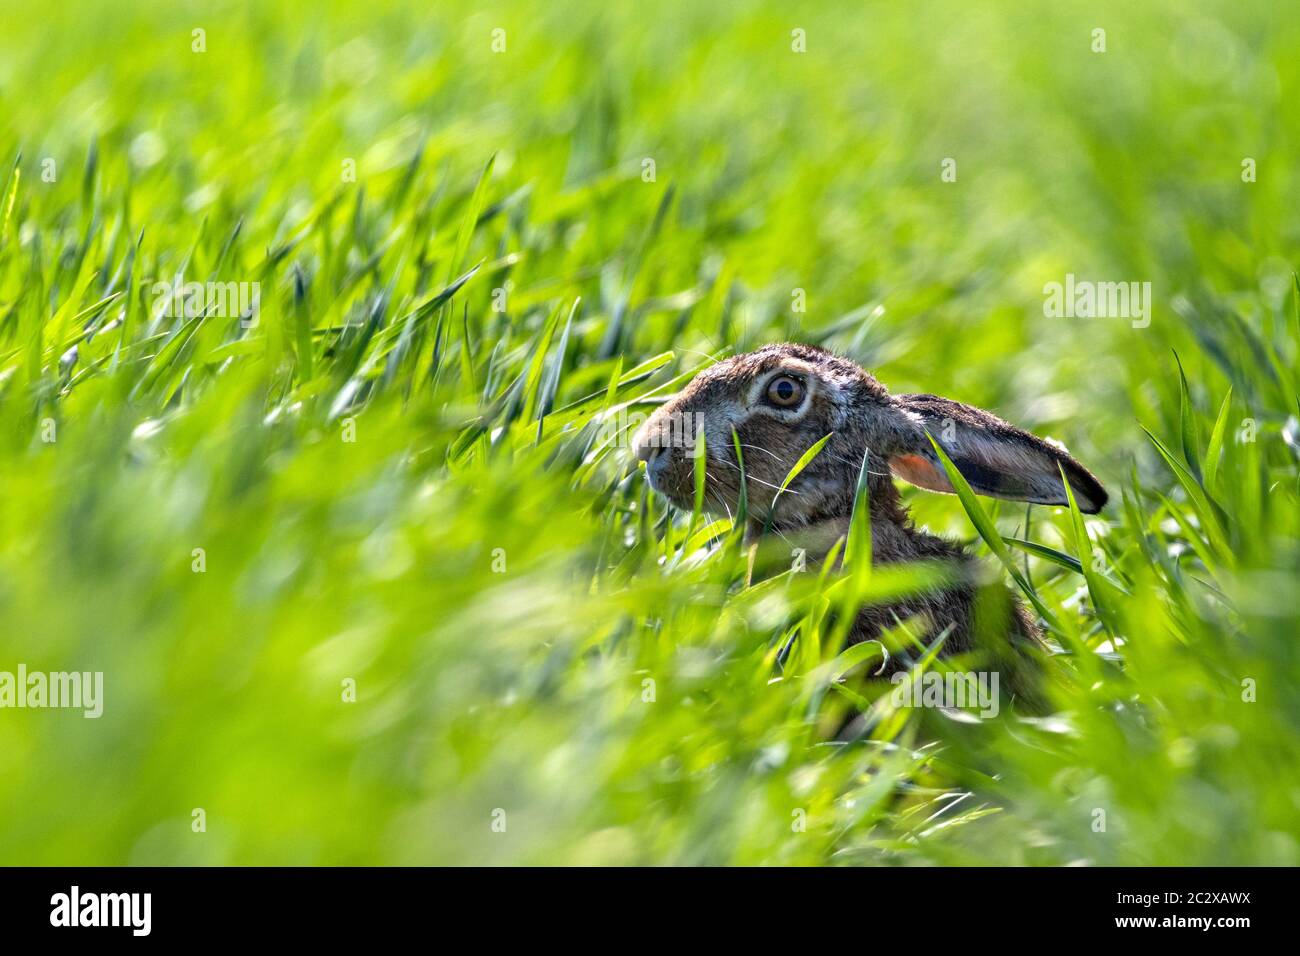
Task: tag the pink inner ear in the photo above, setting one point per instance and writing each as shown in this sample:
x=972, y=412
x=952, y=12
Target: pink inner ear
x=921, y=472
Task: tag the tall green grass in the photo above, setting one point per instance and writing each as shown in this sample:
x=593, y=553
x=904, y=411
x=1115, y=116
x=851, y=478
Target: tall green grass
x=408, y=475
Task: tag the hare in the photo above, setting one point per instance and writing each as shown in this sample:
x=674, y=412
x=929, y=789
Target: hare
x=781, y=399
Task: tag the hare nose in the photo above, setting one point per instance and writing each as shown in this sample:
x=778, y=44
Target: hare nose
x=648, y=447
x=645, y=444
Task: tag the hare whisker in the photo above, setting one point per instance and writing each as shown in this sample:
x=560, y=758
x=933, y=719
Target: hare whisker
x=856, y=464
x=779, y=459
x=788, y=491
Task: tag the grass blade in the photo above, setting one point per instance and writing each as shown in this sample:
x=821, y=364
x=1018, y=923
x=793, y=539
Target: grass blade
x=793, y=473
x=1187, y=423
x=1207, y=510
x=1059, y=558
x=1214, y=449
x=989, y=532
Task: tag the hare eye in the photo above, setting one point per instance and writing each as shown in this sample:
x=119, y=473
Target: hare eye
x=785, y=391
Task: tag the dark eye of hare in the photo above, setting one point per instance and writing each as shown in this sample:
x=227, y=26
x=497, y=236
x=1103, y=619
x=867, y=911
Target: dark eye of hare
x=785, y=391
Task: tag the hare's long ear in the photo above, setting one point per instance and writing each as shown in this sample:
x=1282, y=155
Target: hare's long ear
x=995, y=458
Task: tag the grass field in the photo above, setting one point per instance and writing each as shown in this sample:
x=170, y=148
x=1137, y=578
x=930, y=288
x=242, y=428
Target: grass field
x=366, y=565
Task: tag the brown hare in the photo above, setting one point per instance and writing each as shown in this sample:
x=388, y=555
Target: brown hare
x=781, y=399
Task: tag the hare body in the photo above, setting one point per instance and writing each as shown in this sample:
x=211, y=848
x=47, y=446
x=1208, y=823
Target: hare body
x=781, y=399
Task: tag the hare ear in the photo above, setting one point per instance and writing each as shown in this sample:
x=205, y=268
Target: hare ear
x=996, y=458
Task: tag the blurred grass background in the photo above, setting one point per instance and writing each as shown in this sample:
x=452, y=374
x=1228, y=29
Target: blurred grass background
x=356, y=465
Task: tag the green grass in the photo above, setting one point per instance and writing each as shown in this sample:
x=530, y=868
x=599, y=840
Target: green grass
x=403, y=479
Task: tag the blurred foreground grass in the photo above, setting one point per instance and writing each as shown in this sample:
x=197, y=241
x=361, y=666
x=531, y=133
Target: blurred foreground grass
x=392, y=481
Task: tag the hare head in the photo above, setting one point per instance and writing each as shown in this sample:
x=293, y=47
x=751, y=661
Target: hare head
x=780, y=400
